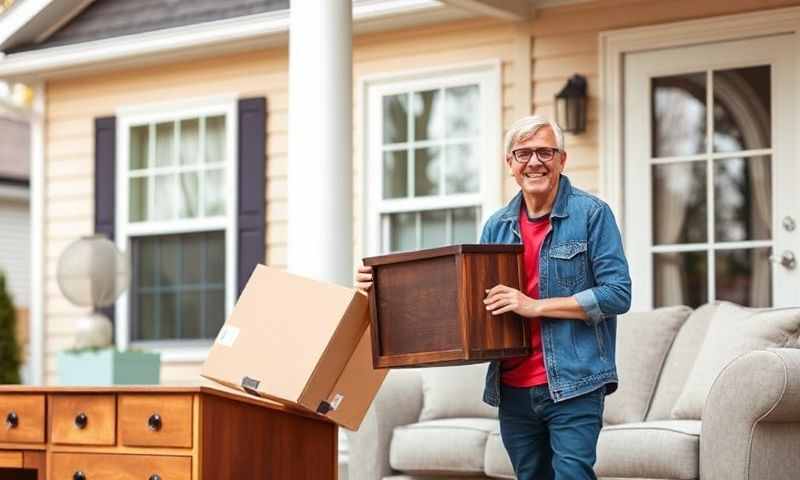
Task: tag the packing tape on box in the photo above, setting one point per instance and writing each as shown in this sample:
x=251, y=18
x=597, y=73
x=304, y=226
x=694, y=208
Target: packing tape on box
x=227, y=335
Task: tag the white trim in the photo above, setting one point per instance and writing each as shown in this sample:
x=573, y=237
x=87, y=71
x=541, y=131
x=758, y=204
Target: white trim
x=259, y=30
x=132, y=115
x=38, y=190
x=514, y=10
x=614, y=45
x=488, y=75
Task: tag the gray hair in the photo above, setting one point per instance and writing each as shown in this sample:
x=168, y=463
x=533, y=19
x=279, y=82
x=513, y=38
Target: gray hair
x=527, y=126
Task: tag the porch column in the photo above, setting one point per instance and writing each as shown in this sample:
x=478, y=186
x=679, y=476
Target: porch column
x=320, y=237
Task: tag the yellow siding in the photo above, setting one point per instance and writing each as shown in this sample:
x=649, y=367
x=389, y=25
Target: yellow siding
x=566, y=41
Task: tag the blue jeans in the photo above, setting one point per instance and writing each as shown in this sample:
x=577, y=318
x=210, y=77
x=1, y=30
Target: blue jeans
x=547, y=440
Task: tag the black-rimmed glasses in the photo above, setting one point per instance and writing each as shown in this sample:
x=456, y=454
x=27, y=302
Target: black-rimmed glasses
x=543, y=154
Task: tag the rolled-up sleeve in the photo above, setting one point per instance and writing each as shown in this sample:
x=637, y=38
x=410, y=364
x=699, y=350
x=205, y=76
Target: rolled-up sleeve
x=611, y=294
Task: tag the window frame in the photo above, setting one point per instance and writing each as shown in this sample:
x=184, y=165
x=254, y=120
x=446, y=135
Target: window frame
x=129, y=116
x=487, y=75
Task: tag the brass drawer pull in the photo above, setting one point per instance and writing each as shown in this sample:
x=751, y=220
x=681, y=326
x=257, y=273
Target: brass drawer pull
x=154, y=422
x=12, y=420
x=155, y=476
x=81, y=420
x=79, y=476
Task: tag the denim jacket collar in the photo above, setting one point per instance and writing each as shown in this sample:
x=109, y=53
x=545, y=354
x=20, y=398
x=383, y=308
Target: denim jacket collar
x=511, y=211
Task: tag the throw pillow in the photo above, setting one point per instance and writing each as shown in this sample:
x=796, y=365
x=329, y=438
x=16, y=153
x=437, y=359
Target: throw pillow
x=453, y=392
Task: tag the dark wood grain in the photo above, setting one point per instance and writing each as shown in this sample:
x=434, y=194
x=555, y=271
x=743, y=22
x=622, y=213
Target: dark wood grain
x=246, y=442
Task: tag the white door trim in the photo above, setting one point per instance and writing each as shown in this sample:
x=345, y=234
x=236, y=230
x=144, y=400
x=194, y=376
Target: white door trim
x=615, y=44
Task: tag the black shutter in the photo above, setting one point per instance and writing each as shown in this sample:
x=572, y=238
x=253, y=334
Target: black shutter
x=105, y=159
x=252, y=176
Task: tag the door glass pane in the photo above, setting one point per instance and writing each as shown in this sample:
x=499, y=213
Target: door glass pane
x=463, y=112
x=395, y=174
x=190, y=141
x=679, y=203
x=462, y=172
x=743, y=199
x=679, y=115
x=139, y=147
x=188, y=199
x=742, y=111
x=165, y=144
x=428, y=115
x=215, y=139
x=165, y=195
x=427, y=171
x=403, y=231
x=680, y=278
x=744, y=276
x=395, y=118
x=138, y=200
x=465, y=225
x=434, y=228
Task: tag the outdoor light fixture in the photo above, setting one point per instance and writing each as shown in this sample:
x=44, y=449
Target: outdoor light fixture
x=571, y=105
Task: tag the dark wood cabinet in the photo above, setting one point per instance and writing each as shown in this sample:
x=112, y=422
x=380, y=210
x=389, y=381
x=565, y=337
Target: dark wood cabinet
x=427, y=306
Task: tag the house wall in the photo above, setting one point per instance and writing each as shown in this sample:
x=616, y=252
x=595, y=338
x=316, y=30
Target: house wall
x=15, y=248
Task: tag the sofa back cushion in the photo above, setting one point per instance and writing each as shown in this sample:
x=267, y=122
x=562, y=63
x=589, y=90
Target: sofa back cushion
x=679, y=362
x=734, y=331
x=643, y=342
x=453, y=392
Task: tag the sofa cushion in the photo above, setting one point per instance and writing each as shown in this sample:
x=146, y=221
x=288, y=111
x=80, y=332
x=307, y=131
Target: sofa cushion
x=733, y=331
x=643, y=342
x=679, y=362
x=657, y=449
x=496, y=462
x=445, y=446
x=454, y=392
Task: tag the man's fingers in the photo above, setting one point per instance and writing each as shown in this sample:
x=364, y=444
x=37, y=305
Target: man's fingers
x=497, y=303
x=503, y=310
x=364, y=269
x=495, y=290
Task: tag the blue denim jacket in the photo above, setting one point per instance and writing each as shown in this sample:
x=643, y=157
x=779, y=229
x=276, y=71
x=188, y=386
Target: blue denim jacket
x=582, y=255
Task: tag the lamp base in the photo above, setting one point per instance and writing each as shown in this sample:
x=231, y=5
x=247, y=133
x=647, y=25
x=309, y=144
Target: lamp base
x=93, y=331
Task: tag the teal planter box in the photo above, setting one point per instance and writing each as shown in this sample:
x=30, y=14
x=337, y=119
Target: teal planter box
x=109, y=366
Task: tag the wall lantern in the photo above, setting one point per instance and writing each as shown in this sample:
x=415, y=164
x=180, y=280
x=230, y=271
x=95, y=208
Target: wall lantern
x=571, y=105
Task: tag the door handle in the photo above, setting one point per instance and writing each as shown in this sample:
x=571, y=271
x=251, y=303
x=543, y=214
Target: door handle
x=787, y=260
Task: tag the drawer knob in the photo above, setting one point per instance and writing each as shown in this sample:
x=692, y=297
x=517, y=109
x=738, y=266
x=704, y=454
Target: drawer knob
x=81, y=420
x=12, y=420
x=154, y=422
x=79, y=476
x=155, y=476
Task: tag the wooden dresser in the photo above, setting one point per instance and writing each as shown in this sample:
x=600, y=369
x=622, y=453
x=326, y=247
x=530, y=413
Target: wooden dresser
x=159, y=433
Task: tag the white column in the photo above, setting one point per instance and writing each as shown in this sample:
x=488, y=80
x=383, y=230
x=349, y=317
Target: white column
x=320, y=238
x=36, y=318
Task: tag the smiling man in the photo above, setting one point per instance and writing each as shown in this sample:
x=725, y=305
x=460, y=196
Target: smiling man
x=576, y=281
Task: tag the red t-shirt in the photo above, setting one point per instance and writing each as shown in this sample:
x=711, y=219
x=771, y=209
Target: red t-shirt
x=529, y=371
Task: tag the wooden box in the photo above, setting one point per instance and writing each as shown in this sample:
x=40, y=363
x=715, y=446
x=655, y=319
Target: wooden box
x=427, y=306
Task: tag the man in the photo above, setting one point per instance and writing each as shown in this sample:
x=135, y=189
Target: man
x=576, y=282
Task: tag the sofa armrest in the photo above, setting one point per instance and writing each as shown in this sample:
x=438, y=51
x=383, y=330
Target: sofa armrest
x=398, y=402
x=751, y=419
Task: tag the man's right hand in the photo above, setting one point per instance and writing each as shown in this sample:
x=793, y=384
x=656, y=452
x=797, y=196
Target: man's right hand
x=364, y=278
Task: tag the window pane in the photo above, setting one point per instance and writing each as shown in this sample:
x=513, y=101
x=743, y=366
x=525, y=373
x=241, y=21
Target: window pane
x=188, y=200
x=165, y=189
x=215, y=193
x=395, y=118
x=434, y=228
x=145, y=315
x=742, y=109
x=169, y=261
x=139, y=147
x=395, y=174
x=428, y=115
x=403, y=231
x=138, y=199
x=165, y=144
x=192, y=259
x=215, y=255
x=145, y=261
x=427, y=171
x=465, y=225
x=215, y=312
x=462, y=173
x=743, y=199
x=168, y=316
x=190, y=141
x=679, y=203
x=191, y=320
x=744, y=276
x=680, y=279
x=679, y=115
x=215, y=139
x=463, y=112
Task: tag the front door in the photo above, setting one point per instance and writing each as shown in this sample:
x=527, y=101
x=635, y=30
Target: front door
x=711, y=175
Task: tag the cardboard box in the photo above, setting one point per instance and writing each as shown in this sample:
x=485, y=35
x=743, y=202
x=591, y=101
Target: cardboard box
x=303, y=343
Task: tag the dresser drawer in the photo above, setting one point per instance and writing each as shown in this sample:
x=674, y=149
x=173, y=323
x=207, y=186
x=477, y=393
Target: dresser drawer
x=76, y=466
x=83, y=419
x=155, y=420
x=22, y=418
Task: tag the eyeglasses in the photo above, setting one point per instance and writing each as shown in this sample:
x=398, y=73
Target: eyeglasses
x=543, y=154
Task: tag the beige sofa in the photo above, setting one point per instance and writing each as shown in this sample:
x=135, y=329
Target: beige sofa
x=708, y=394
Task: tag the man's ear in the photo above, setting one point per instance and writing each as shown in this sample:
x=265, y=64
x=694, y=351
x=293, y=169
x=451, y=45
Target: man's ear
x=563, y=159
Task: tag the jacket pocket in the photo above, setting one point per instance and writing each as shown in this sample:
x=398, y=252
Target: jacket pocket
x=569, y=263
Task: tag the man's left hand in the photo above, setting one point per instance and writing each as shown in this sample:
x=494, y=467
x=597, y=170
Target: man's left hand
x=501, y=299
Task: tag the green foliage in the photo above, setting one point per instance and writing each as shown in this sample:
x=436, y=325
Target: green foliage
x=9, y=350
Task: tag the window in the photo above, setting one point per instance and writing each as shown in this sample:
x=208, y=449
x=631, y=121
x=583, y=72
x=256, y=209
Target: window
x=432, y=142
x=176, y=216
